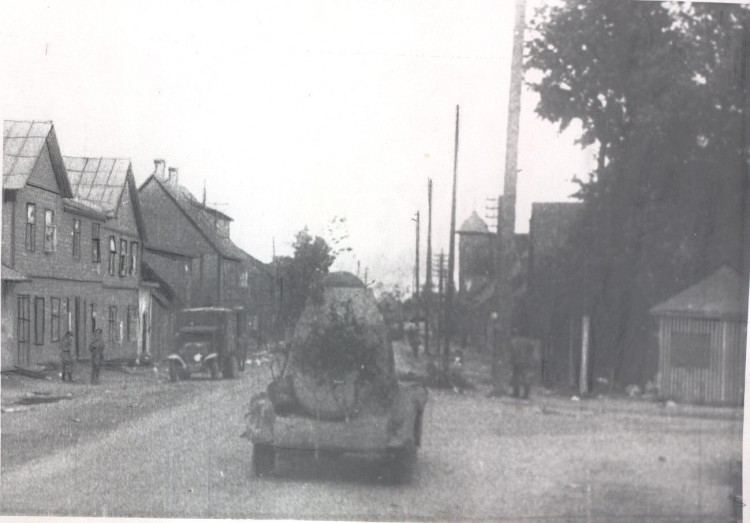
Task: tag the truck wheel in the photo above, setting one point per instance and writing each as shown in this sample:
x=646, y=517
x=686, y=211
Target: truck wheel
x=400, y=465
x=174, y=372
x=230, y=367
x=213, y=368
x=264, y=459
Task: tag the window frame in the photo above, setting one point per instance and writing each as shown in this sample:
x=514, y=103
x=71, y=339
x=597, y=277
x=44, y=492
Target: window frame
x=112, y=255
x=50, y=231
x=54, y=319
x=76, y=239
x=23, y=306
x=96, y=243
x=113, y=327
x=39, y=317
x=30, y=227
x=123, y=254
x=133, y=269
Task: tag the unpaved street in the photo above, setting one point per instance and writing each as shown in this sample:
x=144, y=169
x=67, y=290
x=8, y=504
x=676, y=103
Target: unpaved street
x=482, y=458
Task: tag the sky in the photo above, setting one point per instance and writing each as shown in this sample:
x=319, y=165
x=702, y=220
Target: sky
x=293, y=112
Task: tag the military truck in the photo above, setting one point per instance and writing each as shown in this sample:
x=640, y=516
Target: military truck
x=338, y=392
x=207, y=340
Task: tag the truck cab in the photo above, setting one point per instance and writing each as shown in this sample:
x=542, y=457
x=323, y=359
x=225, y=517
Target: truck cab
x=207, y=340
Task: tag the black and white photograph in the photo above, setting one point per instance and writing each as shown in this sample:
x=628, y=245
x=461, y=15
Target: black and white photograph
x=333, y=260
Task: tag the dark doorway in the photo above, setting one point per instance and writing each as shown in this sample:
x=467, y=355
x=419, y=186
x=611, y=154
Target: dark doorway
x=77, y=326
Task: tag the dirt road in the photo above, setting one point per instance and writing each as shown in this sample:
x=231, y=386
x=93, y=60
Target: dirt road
x=485, y=459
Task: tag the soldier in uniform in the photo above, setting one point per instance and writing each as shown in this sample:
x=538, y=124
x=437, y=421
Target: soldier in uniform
x=97, y=356
x=66, y=358
x=522, y=365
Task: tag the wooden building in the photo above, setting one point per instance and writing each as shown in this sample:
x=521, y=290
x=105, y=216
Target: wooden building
x=191, y=252
x=702, y=338
x=72, y=246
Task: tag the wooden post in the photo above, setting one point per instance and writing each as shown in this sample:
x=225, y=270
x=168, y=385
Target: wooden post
x=448, y=327
x=583, y=379
x=428, y=272
x=441, y=310
x=416, y=263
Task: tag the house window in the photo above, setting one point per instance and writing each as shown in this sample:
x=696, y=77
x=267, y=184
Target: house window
x=50, y=231
x=123, y=256
x=54, y=319
x=690, y=350
x=243, y=279
x=96, y=253
x=38, y=321
x=93, y=317
x=133, y=269
x=113, y=327
x=112, y=255
x=30, y=227
x=132, y=331
x=77, y=239
x=24, y=320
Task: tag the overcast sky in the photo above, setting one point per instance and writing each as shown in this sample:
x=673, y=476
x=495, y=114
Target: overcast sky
x=292, y=112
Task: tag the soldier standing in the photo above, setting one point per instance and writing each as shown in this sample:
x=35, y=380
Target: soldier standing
x=97, y=356
x=522, y=366
x=66, y=359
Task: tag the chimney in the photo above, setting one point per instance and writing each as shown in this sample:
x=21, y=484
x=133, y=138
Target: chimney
x=159, y=165
x=173, y=175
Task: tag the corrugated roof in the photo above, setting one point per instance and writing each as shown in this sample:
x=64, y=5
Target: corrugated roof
x=474, y=224
x=99, y=181
x=23, y=142
x=722, y=294
x=204, y=219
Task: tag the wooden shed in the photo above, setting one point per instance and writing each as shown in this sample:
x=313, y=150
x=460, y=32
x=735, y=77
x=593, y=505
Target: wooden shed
x=702, y=337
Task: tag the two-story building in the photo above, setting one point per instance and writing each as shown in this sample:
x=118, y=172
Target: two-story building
x=190, y=250
x=71, y=249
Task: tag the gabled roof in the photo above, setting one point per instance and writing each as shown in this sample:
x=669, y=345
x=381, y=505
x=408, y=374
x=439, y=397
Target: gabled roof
x=202, y=218
x=722, y=294
x=474, y=224
x=100, y=182
x=23, y=143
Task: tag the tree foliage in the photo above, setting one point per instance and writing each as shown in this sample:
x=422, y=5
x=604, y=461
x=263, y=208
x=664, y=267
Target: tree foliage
x=658, y=89
x=301, y=273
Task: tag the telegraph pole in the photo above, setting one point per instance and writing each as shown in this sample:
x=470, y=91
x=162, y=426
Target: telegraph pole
x=448, y=327
x=428, y=271
x=416, y=263
x=440, y=314
x=506, y=222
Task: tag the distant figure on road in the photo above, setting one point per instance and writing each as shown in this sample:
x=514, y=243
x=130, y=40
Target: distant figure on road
x=66, y=358
x=412, y=335
x=522, y=361
x=97, y=356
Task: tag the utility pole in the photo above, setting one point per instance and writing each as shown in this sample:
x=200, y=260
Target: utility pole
x=428, y=272
x=416, y=263
x=507, y=203
x=441, y=308
x=448, y=326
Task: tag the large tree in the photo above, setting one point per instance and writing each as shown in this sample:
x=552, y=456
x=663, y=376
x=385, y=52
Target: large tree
x=658, y=90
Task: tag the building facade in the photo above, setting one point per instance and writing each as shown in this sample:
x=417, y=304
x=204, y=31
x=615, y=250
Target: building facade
x=71, y=249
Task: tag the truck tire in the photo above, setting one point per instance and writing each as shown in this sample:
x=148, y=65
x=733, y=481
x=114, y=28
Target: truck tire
x=400, y=465
x=264, y=459
x=230, y=368
x=174, y=372
x=213, y=368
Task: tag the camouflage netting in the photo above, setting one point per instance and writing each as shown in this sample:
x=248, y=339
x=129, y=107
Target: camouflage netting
x=342, y=361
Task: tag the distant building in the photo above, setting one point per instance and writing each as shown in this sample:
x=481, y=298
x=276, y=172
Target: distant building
x=555, y=325
x=190, y=250
x=702, y=340
x=72, y=246
x=476, y=254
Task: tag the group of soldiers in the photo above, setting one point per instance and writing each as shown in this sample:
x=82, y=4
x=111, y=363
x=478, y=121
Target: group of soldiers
x=96, y=348
x=523, y=359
